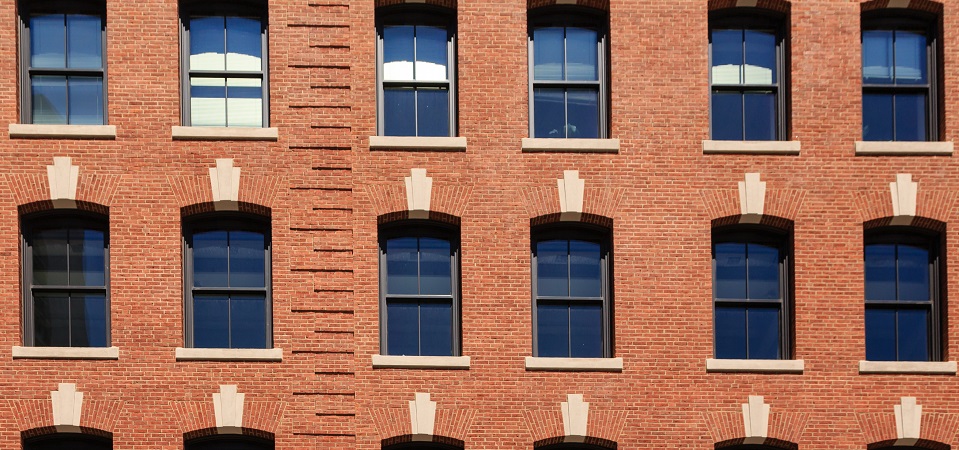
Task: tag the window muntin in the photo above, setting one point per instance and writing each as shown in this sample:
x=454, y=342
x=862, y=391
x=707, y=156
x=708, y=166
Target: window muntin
x=66, y=272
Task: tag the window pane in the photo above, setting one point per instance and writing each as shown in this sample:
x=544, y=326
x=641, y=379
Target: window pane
x=51, y=320
x=86, y=100
x=760, y=109
x=760, y=57
x=50, y=257
x=398, y=53
x=208, y=102
x=436, y=329
x=877, y=117
x=207, y=43
x=47, y=41
x=552, y=268
x=763, y=333
x=586, y=331
x=402, y=266
x=727, y=116
x=244, y=105
x=730, y=332
x=210, y=259
x=550, y=113
x=910, y=117
x=582, y=62
x=399, y=112
x=911, y=65
x=730, y=277
x=913, y=335
x=211, y=314
x=877, y=57
x=435, y=267
x=402, y=328
x=248, y=321
x=763, y=270
x=87, y=262
x=49, y=99
x=727, y=48
x=552, y=330
x=880, y=272
x=84, y=42
x=247, y=259
x=585, y=269
x=913, y=274
x=880, y=334
x=583, y=108
x=88, y=320
x=432, y=111
x=244, y=44
x=548, y=54
x=431, y=51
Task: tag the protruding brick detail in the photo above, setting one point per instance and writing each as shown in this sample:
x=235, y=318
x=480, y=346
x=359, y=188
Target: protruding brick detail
x=785, y=428
x=444, y=3
x=597, y=200
x=259, y=190
x=449, y=423
x=596, y=4
x=931, y=203
x=446, y=199
x=783, y=203
x=920, y=5
x=773, y=5
x=879, y=429
x=546, y=426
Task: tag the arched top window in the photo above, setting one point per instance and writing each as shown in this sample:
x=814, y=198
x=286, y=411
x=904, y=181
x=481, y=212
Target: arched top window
x=422, y=446
x=575, y=446
x=73, y=441
x=227, y=442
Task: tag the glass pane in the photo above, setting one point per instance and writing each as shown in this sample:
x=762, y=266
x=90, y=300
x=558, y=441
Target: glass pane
x=49, y=99
x=911, y=65
x=552, y=268
x=402, y=328
x=880, y=272
x=47, y=41
x=247, y=259
x=880, y=334
x=211, y=316
x=582, y=50
x=432, y=111
x=913, y=335
x=244, y=105
x=548, y=54
x=760, y=110
x=727, y=116
x=207, y=43
x=585, y=269
x=436, y=329
x=877, y=117
x=730, y=332
x=913, y=274
x=435, y=267
x=431, y=51
x=727, y=48
x=586, y=331
x=84, y=42
x=208, y=102
x=763, y=333
x=87, y=261
x=402, y=266
x=552, y=330
x=730, y=267
x=50, y=257
x=210, y=259
x=248, y=321
x=86, y=100
x=88, y=320
x=910, y=117
x=399, y=112
x=583, y=108
x=51, y=320
x=877, y=57
x=398, y=53
x=760, y=65
x=549, y=108
x=244, y=44
x=764, y=272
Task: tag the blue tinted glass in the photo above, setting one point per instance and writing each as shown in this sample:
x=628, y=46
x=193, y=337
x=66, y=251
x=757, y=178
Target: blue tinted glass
x=583, y=108
x=586, y=331
x=210, y=259
x=51, y=320
x=727, y=116
x=402, y=266
x=880, y=272
x=730, y=332
x=247, y=259
x=552, y=330
x=880, y=334
x=86, y=100
x=243, y=44
x=211, y=315
x=582, y=50
x=248, y=321
x=877, y=117
x=877, y=57
x=88, y=320
x=727, y=56
x=436, y=329
x=549, y=108
x=548, y=54
x=402, y=328
x=763, y=269
x=207, y=43
x=398, y=51
x=432, y=112
x=913, y=333
x=585, y=269
x=431, y=46
x=399, y=112
x=552, y=268
x=913, y=273
x=435, y=267
x=911, y=65
x=87, y=261
x=910, y=117
x=49, y=99
x=763, y=333
x=84, y=42
x=760, y=110
x=47, y=41
x=50, y=249
x=730, y=270
x=760, y=57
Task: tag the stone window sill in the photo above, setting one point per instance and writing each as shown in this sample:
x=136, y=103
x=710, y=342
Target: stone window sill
x=229, y=354
x=427, y=143
x=752, y=147
x=881, y=148
x=755, y=365
x=34, y=131
x=66, y=352
x=571, y=145
x=225, y=134
x=575, y=364
x=420, y=362
x=908, y=367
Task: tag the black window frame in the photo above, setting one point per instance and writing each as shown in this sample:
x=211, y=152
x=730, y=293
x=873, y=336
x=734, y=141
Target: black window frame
x=32, y=223
x=27, y=8
x=745, y=18
x=568, y=16
x=220, y=8
x=229, y=442
x=77, y=441
x=225, y=222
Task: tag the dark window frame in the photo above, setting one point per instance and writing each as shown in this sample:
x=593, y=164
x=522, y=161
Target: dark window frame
x=73, y=440
x=227, y=442
x=225, y=222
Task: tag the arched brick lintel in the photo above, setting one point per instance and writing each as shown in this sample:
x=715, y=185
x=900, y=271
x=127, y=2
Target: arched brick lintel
x=588, y=440
x=929, y=6
x=451, y=4
x=49, y=205
x=242, y=207
x=213, y=431
x=768, y=442
x=405, y=438
x=434, y=216
x=925, y=223
x=766, y=220
x=921, y=443
x=585, y=218
x=780, y=6
x=602, y=5
x=50, y=430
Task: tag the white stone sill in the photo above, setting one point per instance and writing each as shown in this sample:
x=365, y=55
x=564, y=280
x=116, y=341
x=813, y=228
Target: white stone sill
x=229, y=354
x=908, y=367
x=224, y=134
x=439, y=143
x=882, y=148
x=34, y=131
x=66, y=352
x=571, y=145
x=756, y=365
x=420, y=362
x=575, y=364
x=752, y=147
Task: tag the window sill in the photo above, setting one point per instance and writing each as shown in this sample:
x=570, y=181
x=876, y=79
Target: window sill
x=752, y=147
x=881, y=148
x=66, y=352
x=575, y=364
x=455, y=144
x=908, y=367
x=34, y=131
x=225, y=134
x=229, y=354
x=755, y=365
x=420, y=362
x=571, y=145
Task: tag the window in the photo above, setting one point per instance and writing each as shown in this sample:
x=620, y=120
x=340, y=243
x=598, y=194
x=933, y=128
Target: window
x=63, y=62
x=902, y=296
x=65, y=279
x=224, y=63
x=229, y=443
x=571, y=293
x=750, y=293
x=73, y=441
x=227, y=279
x=746, y=75
x=419, y=290
x=568, y=79
x=416, y=58
x=899, y=76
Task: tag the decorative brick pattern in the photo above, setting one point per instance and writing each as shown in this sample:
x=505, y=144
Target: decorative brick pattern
x=785, y=428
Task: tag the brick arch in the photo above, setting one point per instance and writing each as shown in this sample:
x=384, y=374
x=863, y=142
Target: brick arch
x=930, y=6
x=198, y=419
x=879, y=430
x=593, y=442
x=930, y=203
x=254, y=189
x=48, y=431
x=35, y=417
x=546, y=426
x=785, y=429
x=780, y=203
x=770, y=443
x=451, y=4
x=602, y=5
x=49, y=205
x=389, y=200
x=451, y=425
x=597, y=201
x=242, y=207
x=91, y=188
x=780, y=6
